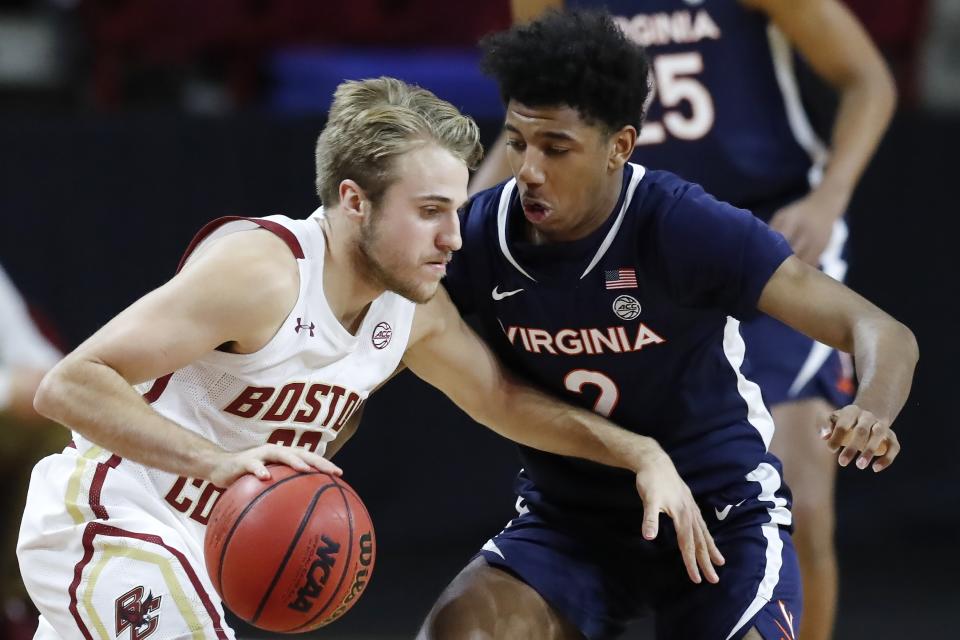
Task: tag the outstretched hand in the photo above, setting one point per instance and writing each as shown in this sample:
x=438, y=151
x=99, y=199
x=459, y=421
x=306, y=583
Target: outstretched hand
x=852, y=429
x=231, y=466
x=663, y=491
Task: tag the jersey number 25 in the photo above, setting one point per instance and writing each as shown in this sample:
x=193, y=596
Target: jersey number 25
x=674, y=85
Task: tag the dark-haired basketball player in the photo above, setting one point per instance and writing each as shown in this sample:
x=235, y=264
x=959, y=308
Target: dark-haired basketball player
x=624, y=289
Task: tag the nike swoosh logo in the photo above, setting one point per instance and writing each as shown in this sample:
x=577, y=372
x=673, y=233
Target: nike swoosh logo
x=723, y=513
x=497, y=295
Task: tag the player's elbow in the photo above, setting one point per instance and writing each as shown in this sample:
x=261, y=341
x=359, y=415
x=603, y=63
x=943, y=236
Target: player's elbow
x=45, y=399
x=886, y=90
x=909, y=341
x=50, y=400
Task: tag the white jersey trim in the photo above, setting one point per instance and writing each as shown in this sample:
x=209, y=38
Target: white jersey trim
x=638, y=173
x=770, y=482
x=797, y=118
x=757, y=413
x=503, y=212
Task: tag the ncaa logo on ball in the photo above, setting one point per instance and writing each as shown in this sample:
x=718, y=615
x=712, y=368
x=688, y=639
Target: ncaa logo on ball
x=381, y=335
x=626, y=307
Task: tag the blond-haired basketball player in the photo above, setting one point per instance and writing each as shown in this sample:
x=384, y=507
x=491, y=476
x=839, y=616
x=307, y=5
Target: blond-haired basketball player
x=275, y=331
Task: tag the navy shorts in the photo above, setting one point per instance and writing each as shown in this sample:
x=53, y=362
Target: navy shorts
x=601, y=577
x=787, y=365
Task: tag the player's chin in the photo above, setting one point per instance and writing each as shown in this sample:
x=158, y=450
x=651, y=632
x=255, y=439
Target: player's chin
x=420, y=292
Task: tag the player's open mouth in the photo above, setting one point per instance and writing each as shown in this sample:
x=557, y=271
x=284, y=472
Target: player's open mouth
x=535, y=211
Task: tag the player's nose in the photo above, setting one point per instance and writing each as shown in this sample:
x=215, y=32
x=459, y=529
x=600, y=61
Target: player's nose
x=531, y=173
x=449, y=237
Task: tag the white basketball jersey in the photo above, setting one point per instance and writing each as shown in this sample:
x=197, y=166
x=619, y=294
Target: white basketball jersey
x=298, y=390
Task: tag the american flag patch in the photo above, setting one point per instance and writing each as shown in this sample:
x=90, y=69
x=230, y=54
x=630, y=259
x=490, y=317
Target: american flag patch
x=620, y=278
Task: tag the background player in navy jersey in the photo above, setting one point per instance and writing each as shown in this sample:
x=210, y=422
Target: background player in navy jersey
x=621, y=288
x=727, y=115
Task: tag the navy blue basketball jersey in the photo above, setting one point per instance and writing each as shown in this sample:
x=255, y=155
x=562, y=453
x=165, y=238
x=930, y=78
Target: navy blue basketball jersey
x=638, y=322
x=726, y=112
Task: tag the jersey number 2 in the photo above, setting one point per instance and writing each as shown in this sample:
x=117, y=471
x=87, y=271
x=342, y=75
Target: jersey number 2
x=609, y=393
x=674, y=85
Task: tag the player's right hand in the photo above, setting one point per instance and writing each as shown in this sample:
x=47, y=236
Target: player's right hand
x=663, y=491
x=232, y=465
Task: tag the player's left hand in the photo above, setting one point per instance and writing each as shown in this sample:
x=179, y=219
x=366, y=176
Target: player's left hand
x=851, y=429
x=808, y=222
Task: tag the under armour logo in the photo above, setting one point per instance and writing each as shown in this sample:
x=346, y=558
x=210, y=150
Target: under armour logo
x=133, y=612
x=304, y=327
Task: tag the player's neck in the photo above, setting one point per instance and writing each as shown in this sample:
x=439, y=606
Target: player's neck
x=347, y=290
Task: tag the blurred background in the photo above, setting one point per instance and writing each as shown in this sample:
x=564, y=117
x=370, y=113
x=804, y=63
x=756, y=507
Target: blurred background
x=125, y=125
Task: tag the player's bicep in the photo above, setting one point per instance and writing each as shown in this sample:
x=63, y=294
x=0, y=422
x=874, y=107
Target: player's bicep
x=815, y=304
x=828, y=36
x=227, y=295
x=447, y=354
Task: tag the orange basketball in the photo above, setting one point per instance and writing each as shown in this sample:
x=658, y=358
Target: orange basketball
x=292, y=553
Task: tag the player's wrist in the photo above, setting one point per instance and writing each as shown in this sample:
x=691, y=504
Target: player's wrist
x=644, y=453
x=208, y=462
x=834, y=196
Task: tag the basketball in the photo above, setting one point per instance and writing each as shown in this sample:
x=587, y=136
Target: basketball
x=292, y=553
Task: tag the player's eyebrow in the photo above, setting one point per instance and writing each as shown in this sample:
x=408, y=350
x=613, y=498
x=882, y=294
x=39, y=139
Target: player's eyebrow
x=555, y=135
x=433, y=197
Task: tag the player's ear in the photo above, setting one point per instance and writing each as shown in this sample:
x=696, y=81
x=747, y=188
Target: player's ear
x=353, y=200
x=621, y=147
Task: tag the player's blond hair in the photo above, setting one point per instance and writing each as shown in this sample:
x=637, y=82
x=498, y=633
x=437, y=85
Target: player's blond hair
x=374, y=121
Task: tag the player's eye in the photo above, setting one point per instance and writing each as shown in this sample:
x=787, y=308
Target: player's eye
x=556, y=151
x=516, y=144
x=429, y=212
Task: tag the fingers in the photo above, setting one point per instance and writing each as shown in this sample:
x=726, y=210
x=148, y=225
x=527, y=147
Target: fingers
x=258, y=468
x=302, y=460
x=687, y=541
x=703, y=550
x=857, y=437
x=714, y=551
x=651, y=520
x=887, y=457
x=852, y=430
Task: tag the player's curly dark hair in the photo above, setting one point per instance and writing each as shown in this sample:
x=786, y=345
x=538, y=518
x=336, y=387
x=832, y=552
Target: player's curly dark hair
x=578, y=58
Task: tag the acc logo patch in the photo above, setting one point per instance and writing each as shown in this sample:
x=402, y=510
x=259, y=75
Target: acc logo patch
x=626, y=307
x=382, y=333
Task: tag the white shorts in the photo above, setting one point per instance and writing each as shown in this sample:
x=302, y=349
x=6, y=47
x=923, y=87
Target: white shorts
x=103, y=557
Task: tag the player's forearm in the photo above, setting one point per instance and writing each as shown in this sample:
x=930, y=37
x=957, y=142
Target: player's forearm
x=94, y=400
x=886, y=355
x=537, y=420
x=866, y=106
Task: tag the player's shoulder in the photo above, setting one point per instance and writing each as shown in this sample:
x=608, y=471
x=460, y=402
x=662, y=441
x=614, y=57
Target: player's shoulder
x=661, y=188
x=256, y=261
x=672, y=197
